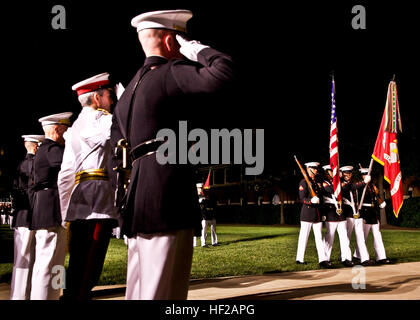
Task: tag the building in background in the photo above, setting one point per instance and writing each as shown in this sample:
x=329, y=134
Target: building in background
x=229, y=186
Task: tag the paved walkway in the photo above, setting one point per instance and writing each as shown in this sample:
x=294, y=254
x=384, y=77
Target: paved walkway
x=399, y=281
x=391, y=282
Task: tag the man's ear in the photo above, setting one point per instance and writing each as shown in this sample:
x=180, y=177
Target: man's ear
x=95, y=99
x=56, y=129
x=168, y=41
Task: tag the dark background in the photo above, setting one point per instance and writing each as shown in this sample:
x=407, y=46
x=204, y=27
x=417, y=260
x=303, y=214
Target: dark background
x=285, y=53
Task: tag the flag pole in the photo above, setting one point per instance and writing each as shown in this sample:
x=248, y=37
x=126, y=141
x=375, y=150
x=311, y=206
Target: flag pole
x=369, y=172
x=339, y=209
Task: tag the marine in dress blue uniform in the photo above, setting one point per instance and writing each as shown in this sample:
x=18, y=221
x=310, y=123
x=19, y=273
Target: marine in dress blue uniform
x=50, y=236
x=310, y=216
x=334, y=221
x=162, y=208
x=208, y=218
x=369, y=212
x=200, y=196
x=351, y=194
x=24, y=241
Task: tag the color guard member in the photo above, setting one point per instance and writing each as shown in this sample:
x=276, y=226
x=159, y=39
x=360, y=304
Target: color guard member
x=350, y=197
x=334, y=221
x=369, y=212
x=310, y=217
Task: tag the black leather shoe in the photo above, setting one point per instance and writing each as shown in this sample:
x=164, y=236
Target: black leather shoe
x=383, y=261
x=299, y=262
x=325, y=264
x=368, y=263
x=348, y=263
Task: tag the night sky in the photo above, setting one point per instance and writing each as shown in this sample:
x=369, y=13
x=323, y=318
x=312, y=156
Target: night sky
x=284, y=53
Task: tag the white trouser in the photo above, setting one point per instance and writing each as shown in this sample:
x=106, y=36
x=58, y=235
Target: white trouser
x=3, y=219
x=24, y=251
x=341, y=228
x=116, y=232
x=361, y=251
x=195, y=241
x=377, y=239
x=50, y=251
x=212, y=224
x=159, y=265
x=305, y=229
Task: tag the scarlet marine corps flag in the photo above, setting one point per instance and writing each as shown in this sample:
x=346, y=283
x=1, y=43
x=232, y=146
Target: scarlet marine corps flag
x=386, y=149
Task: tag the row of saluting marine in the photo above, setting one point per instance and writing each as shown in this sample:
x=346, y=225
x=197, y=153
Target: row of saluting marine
x=73, y=178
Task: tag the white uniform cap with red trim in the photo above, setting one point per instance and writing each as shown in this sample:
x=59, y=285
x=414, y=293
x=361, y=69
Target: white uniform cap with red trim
x=33, y=138
x=58, y=118
x=164, y=19
x=364, y=170
x=312, y=164
x=92, y=83
x=346, y=168
x=327, y=167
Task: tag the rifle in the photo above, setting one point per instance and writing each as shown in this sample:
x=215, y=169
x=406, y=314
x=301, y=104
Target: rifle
x=305, y=176
x=364, y=190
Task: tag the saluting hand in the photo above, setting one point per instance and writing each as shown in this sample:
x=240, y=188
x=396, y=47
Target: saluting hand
x=190, y=49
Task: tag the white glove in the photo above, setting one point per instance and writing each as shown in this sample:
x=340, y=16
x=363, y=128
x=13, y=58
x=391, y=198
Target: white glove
x=190, y=49
x=382, y=205
x=315, y=200
x=367, y=179
x=119, y=89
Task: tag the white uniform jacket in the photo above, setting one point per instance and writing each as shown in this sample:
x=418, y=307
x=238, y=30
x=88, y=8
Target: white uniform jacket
x=87, y=150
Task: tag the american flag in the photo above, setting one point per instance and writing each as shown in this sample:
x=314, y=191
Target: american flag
x=334, y=162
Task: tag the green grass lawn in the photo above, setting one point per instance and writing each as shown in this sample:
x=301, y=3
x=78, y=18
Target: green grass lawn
x=244, y=250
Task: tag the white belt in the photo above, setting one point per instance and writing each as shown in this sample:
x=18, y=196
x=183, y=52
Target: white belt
x=347, y=202
x=333, y=201
x=329, y=200
x=367, y=205
x=350, y=203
